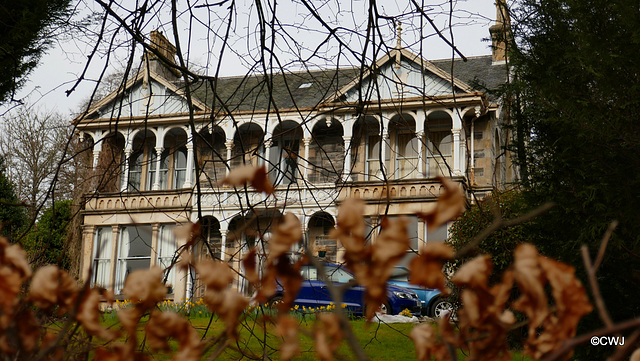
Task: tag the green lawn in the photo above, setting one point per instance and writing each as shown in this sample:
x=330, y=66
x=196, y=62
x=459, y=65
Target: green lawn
x=380, y=341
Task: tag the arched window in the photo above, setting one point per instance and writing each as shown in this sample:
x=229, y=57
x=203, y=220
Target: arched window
x=439, y=144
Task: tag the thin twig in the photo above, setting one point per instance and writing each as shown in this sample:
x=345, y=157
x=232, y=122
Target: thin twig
x=595, y=289
x=603, y=245
x=629, y=345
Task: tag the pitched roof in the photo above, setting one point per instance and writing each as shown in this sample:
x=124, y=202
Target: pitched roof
x=308, y=89
x=289, y=90
x=311, y=88
x=478, y=71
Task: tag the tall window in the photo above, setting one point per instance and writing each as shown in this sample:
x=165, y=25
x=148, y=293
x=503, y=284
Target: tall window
x=179, y=167
x=373, y=156
x=135, y=171
x=151, y=170
x=102, y=257
x=212, y=237
x=284, y=157
x=134, y=252
x=439, y=153
x=166, y=253
x=407, y=155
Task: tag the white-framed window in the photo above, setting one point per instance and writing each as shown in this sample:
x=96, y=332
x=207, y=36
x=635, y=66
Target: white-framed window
x=179, y=167
x=151, y=169
x=134, y=252
x=102, y=248
x=407, y=147
x=373, y=156
x=166, y=252
x=135, y=171
x=439, y=157
x=439, y=234
x=284, y=157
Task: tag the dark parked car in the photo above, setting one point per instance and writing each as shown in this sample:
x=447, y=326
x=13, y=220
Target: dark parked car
x=314, y=293
x=433, y=304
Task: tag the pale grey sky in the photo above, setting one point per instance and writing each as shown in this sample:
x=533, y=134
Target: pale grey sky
x=60, y=68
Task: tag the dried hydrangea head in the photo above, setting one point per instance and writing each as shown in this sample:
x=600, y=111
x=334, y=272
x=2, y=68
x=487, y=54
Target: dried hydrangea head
x=145, y=287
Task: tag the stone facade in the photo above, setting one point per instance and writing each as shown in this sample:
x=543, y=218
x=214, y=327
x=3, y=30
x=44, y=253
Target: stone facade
x=161, y=168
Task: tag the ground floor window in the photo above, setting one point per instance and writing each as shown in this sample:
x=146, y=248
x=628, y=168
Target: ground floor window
x=439, y=234
x=102, y=257
x=134, y=252
x=166, y=253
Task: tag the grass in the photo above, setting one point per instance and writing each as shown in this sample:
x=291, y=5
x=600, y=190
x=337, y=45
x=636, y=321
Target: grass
x=380, y=341
x=257, y=338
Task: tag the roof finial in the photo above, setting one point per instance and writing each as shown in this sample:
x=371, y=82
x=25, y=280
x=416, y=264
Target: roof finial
x=399, y=36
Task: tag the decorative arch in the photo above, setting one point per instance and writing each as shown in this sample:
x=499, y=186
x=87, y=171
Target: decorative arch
x=326, y=152
x=212, y=155
x=210, y=242
x=439, y=140
x=284, y=153
x=405, y=146
x=365, y=148
x=247, y=144
x=319, y=227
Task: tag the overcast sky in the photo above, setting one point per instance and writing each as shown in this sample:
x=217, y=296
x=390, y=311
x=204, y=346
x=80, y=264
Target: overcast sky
x=60, y=68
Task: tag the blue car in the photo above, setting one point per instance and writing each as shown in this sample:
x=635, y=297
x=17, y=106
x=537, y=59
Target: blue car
x=314, y=293
x=433, y=304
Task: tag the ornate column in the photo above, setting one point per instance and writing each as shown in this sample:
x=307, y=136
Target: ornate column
x=96, y=155
x=267, y=150
x=346, y=167
x=155, y=238
x=223, y=243
x=115, y=238
x=156, y=181
x=125, y=171
x=420, y=136
x=384, y=148
x=307, y=163
x=229, y=146
x=88, y=250
x=188, y=178
x=456, y=151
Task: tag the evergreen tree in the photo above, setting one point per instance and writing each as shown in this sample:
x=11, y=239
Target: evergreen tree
x=26, y=30
x=578, y=84
x=13, y=214
x=46, y=243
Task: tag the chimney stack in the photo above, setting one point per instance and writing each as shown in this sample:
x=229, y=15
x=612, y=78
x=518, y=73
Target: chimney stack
x=168, y=50
x=500, y=32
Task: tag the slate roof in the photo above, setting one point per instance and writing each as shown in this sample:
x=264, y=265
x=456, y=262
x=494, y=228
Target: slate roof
x=247, y=93
x=478, y=72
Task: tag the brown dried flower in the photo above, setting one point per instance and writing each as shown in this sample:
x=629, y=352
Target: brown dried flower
x=448, y=207
x=256, y=176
